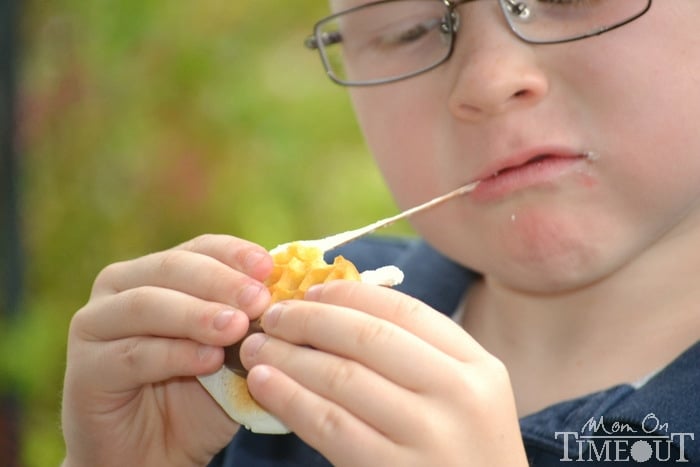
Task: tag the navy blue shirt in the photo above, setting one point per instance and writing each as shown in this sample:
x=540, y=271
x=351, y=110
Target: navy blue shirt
x=652, y=422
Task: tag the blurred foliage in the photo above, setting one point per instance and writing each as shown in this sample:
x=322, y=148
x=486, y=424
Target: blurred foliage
x=145, y=123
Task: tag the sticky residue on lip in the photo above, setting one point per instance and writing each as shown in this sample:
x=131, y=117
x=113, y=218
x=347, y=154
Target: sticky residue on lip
x=591, y=155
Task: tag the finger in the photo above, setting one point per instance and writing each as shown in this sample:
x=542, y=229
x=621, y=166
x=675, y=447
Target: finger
x=341, y=437
x=129, y=363
x=194, y=274
x=365, y=394
x=153, y=311
x=407, y=312
x=380, y=345
x=247, y=257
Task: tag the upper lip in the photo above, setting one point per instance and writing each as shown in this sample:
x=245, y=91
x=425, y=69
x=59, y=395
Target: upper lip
x=523, y=158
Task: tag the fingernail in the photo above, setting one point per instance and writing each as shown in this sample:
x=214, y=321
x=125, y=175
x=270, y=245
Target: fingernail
x=272, y=315
x=223, y=319
x=249, y=294
x=252, y=344
x=259, y=374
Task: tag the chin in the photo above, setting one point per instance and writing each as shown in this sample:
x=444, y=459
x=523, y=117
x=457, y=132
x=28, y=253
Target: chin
x=555, y=265
x=531, y=254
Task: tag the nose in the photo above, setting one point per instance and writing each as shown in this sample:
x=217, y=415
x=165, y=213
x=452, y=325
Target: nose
x=493, y=71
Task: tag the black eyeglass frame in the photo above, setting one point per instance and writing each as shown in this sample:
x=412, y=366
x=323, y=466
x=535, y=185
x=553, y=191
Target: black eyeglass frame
x=449, y=26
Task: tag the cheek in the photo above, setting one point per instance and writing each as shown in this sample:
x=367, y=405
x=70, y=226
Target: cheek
x=397, y=128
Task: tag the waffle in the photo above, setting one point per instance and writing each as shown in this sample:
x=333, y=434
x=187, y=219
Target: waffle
x=299, y=267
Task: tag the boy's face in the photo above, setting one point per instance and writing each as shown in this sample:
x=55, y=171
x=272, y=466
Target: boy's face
x=630, y=98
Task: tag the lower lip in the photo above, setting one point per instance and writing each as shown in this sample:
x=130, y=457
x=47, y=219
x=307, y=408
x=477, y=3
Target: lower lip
x=510, y=181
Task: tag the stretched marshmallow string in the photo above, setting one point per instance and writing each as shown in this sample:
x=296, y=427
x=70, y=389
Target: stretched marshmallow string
x=334, y=241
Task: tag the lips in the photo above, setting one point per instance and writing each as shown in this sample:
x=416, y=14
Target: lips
x=539, y=159
x=537, y=167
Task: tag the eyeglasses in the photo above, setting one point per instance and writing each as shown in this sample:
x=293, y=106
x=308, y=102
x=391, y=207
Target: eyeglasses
x=390, y=40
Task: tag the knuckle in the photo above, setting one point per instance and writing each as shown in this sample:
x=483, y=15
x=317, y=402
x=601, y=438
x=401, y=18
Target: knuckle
x=306, y=322
x=340, y=292
x=407, y=309
x=230, y=250
x=221, y=283
x=79, y=321
x=169, y=261
x=235, y=253
x=136, y=301
x=197, y=243
x=339, y=375
x=329, y=423
x=499, y=373
x=480, y=385
x=179, y=357
x=463, y=384
x=202, y=316
x=494, y=371
x=106, y=277
x=128, y=354
x=374, y=332
x=496, y=366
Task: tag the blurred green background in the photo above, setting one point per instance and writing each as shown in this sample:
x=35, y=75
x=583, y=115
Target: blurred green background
x=145, y=123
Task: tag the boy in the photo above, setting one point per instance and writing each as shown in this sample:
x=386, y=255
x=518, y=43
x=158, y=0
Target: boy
x=569, y=274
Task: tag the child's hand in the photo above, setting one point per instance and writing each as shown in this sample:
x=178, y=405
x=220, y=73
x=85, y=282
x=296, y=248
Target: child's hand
x=369, y=376
x=152, y=325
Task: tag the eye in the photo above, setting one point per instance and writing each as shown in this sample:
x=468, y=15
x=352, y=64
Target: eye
x=406, y=33
x=414, y=33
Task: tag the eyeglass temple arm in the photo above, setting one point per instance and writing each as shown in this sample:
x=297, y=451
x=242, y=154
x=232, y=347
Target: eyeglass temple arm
x=326, y=38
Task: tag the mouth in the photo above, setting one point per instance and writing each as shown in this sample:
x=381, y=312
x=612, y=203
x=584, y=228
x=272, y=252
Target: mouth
x=535, y=160
x=526, y=171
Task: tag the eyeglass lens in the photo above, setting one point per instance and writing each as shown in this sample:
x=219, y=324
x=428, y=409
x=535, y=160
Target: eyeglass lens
x=555, y=21
x=385, y=40
x=393, y=39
